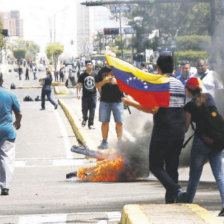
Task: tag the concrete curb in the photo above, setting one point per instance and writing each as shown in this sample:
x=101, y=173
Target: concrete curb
x=204, y=214
x=28, y=87
x=57, y=84
x=61, y=90
x=135, y=214
x=72, y=121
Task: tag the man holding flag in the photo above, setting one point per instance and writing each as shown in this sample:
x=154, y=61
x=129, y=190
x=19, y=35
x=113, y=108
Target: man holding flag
x=168, y=115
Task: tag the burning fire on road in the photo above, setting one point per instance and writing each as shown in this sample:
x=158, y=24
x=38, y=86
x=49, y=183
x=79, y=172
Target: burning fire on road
x=112, y=167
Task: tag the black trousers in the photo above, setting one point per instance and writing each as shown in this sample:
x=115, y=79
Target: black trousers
x=165, y=148
x=89, y=105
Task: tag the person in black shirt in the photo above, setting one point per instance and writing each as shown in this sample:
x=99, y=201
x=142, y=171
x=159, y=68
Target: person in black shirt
x=202, y=147
x=110, y=101
x=168, y=132
x=86, y=81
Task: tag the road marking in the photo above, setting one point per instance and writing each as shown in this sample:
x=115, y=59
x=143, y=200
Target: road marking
x=20, y=163
x=38, y=219
x=67, y=143
x=63, y=218
x=114, y=216
x=55, y=162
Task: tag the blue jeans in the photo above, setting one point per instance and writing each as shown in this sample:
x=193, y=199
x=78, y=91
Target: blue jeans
x=106, y=108
x=46, y=91
x=200, y=153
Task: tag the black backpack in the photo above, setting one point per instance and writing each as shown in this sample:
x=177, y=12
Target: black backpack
x=27, y=98
x=211, y=125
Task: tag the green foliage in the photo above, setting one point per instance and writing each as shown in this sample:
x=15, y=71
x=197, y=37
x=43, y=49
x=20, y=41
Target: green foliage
x=30, y=47
x=194, y=42
x=53, y=51
x=172, y=19
x=32, y=50
x=191, y=56
x=2, y=42
x=19, y=53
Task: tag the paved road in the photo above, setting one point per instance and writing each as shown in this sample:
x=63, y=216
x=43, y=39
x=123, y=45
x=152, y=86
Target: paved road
x=40, y=192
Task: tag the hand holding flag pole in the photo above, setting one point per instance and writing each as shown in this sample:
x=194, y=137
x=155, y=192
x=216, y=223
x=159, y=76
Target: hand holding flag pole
x=149, y=90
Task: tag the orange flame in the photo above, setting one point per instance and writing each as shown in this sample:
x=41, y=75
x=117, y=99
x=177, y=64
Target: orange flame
x=105, y=170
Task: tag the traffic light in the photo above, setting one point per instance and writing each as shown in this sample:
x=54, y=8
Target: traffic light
x=97, y=3
x=111, y=31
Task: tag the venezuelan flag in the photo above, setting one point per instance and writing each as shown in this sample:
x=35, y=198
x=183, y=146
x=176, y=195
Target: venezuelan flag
x=149, y=90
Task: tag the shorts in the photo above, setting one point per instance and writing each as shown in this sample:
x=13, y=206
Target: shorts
x=116, y=108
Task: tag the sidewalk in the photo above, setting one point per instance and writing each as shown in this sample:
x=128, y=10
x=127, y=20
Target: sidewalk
x=140, y=213
x=90, y=137
x=167, y=214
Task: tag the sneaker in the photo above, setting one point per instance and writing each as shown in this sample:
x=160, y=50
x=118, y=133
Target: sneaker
x=42, y=108
x=55, y=107
x=5, y=191
x=181, y=197
x=91, y=127
x=83, y=123
x=221, y=213
x=103, y=145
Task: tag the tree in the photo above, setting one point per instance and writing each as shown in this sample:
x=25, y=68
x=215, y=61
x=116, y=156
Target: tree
x=53, y=51
x=19, y=53
x=29, y=47
x=2, y=39
x=32, y=50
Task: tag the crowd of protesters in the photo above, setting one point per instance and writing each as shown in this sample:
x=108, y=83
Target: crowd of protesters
x=187, y=86
x=165, y=147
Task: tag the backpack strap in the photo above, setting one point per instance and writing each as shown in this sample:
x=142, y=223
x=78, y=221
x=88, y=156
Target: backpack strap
x=186, y=142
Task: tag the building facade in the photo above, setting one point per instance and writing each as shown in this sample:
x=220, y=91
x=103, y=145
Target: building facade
x=12, y=22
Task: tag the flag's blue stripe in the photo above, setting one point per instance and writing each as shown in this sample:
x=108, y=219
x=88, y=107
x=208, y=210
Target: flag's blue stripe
x=135, y=83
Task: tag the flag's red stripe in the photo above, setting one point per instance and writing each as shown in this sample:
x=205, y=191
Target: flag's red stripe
x=145, y=98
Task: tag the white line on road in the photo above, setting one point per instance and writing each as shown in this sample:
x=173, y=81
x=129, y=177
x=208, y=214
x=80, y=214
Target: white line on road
x=55, y=162
x=114, y=216
x=67, y=143
x=38, y=219
x=63, y=218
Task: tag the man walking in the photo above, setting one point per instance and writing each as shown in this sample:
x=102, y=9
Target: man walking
x=20, y=72
x=168, y=132
x=8, y=103
x=86, y=81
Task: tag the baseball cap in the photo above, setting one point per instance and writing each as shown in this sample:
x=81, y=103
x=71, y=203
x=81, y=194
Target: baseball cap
x=194, y=83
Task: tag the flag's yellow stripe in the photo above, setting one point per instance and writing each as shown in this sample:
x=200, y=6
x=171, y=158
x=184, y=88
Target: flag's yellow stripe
x=126, y=67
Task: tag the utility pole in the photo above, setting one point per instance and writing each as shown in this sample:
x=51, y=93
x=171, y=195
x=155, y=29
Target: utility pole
x=122, y=53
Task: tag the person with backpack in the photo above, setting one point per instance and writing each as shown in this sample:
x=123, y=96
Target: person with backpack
x=208, y=138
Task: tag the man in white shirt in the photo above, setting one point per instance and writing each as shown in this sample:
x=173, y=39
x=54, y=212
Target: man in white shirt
x=209, y=78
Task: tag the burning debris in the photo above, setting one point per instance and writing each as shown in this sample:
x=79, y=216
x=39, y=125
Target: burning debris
x=112, y=167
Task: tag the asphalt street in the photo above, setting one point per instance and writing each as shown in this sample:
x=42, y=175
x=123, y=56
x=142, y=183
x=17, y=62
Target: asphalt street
x=40, y=192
